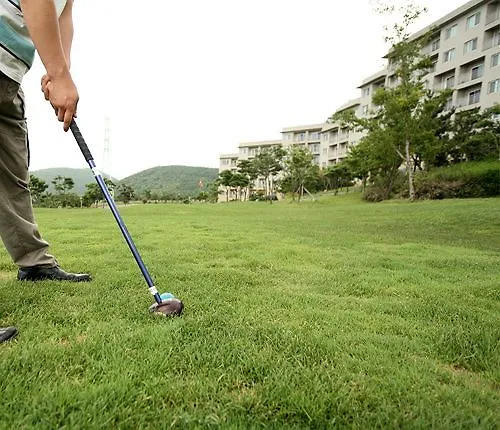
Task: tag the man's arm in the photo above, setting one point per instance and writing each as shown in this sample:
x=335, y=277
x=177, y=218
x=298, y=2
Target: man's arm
x=41, y=19
x=66, y=30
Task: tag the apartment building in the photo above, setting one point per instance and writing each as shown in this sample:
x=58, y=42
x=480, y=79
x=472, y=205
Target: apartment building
x=305, y=136
x=465, y=49
x=228, y=162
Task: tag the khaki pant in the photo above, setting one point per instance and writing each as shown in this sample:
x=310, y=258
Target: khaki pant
x=18, y=230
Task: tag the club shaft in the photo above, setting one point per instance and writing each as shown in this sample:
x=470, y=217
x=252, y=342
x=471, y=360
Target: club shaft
x=109, y=199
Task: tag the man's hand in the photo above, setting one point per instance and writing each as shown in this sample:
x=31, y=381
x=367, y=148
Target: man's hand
x=53, y=43
x=62, y=94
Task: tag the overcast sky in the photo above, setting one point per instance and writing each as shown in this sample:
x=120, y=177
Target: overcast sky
x=185, y=81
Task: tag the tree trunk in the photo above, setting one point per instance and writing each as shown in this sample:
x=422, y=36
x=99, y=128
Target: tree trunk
x=410, y=171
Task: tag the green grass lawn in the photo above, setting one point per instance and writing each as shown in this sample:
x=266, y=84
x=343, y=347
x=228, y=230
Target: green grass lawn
x=326, y=314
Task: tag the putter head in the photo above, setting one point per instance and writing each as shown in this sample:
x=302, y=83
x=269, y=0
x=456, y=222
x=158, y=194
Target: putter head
x=171, y=307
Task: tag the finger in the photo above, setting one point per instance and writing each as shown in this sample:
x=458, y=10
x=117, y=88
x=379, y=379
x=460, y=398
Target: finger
x=44, y=82
x=60, y=114
x=68, y=117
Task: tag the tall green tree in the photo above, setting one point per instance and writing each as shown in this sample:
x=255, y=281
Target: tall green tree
x=226, y=181
x=63, y=184
x=248, y=169
x=475, y=135
x=268, y=164
x=407, y=116
x=340, y=175
x=37, y=188
x=93, y=193
x=238, y=182
x=299, y=169
x=125, y=193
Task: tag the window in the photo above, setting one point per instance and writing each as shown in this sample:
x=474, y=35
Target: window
x=314, y=148
x=300, y=137
x=496, y=38
x=435, y=45
x=473, y=20
x=470, y=45
x=314, y=135
x=433, y=67
x=474, y=96
x=365, y=109
x=449, y=82
x=495, y=59
x=451, y=31
x=449, y=55
x=366, y=92
x=476, y=72
x=494, y=86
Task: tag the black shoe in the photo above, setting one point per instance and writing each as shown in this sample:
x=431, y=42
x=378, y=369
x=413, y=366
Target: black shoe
x=7, y=333
x=36, y=273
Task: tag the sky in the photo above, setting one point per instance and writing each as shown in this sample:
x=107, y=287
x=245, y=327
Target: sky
x=182, y=82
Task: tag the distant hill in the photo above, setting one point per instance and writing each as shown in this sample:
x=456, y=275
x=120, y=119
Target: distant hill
x=81, y=177
x=183, y=180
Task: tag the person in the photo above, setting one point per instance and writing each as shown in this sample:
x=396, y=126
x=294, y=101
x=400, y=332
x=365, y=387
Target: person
x=25, y=26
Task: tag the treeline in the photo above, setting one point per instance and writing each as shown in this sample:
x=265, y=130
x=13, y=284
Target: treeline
x=276, y=170
x=65, y=197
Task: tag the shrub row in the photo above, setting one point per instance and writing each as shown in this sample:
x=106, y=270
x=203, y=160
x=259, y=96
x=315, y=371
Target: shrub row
x=464, y=180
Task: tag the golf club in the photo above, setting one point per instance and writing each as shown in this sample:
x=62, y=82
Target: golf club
x=166, y=304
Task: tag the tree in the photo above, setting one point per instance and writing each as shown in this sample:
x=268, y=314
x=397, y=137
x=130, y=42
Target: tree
x=475, y=135
x=268, y=164
x=239, y=181
x=213, y=192
x=37, y=188
x=358, y=163
x=125, y=193
x=248, y=169
x=408, y=117
x=339, y=175
x=299, y=168
x=146, y=195
x=94, y=194
x=62, y=184
x=226, y=180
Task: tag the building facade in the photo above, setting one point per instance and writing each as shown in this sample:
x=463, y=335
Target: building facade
x=465, y=51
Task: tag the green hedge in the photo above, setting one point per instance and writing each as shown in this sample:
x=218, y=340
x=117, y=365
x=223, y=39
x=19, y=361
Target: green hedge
x=464, y=180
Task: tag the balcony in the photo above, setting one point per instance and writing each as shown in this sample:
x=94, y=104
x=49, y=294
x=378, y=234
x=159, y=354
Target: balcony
x=493, y=13
x=491, y=37
x=491, y=18
x=466, y=82
x=343, y=137
x=314, y=149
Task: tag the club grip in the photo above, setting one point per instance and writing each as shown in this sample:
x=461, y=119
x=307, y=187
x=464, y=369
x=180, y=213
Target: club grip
x=81, y=141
